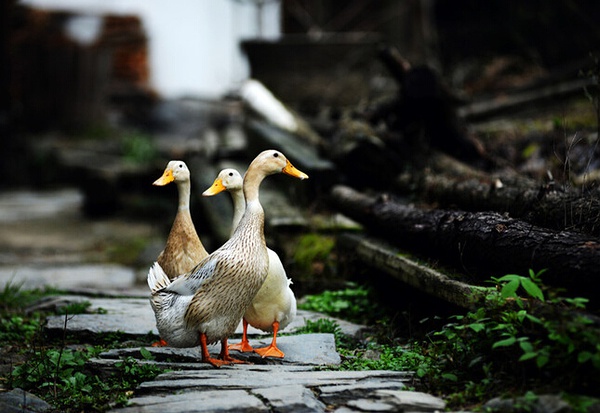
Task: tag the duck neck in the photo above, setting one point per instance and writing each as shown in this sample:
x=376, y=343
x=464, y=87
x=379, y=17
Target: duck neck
x=239, y=206
x=253, y=219
x=184, y=195
x=252, y=180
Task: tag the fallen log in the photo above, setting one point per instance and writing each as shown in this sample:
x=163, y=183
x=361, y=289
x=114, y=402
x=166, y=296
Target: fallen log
x=392, y=261
x=480, y=244
x=389, y=259
x=542, y=204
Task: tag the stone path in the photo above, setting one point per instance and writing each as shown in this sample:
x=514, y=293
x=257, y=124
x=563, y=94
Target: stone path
x=299, y=382
x=45, y=242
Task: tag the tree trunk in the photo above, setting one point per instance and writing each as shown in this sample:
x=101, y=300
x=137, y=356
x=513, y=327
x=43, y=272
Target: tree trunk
x=481, y=244
x=541, y=205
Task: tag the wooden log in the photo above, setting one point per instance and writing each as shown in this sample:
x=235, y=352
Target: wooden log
x=387, y=258
x=392, y=261
x=540, y=204
x=481, y=244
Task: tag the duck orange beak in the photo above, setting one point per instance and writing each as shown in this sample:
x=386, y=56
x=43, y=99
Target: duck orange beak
x=291, y=170
x=166, y=178
x=216, y=188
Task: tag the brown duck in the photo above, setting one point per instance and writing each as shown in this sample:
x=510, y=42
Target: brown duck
x=183, y=250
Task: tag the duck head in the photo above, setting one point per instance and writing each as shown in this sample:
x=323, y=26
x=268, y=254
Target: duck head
x=272, y=162
x=227, y=180
x=176, y=171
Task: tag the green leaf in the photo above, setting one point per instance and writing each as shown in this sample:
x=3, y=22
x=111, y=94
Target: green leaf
x=584, y=356
x=509, y=289
x=505, y=343
x=532, y=289
x=507, y=277
x=450, y=376
x=542, y=360
x=526, y=346
x=528, y=356
x=477, y=327
x=534, y=319
x=146, y=354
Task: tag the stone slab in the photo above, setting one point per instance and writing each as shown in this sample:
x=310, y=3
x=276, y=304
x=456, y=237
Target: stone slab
x=304, y=349
x=134, y=316
x=291, y=399
x=98, y=277
x=20, y=401
x=196, y=401
x=260, y=376
x=281, y=388
x=25, y=205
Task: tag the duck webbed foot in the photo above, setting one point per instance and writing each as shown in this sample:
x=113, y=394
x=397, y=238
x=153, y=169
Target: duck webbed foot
x=206, y=358
x=224, y=355
x=160, y=343
x=244, y=345
x=271, y=350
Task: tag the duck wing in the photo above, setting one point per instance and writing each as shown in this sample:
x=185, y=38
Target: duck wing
x=190, y=283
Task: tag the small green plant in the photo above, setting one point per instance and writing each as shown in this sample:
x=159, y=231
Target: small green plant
x=60, y=372
x=16, y=325
x=326, y=325
x=62, y=378
x=314, y=253
x=507, y=335
x=78, y=307
x=354, y=303
x=13, y=298
x=17, y=328
x=138, y=148
x=510, y=283
x=491, y=349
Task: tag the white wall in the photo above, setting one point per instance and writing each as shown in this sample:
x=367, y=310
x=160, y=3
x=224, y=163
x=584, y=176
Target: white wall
x=193, y=44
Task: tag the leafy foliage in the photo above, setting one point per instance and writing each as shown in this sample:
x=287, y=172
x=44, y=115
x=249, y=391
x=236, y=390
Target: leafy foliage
x=16, y=328
x=507, y=337
x=138, y=148
x=524, y=337
x=62, y=374
x=354, y=303
x=61, y=377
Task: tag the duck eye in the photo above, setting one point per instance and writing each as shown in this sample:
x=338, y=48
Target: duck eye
x=276, y=154
x=230, y=173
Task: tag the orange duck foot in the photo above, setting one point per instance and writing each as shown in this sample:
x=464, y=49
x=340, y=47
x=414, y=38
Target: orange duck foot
x=216, y=362
x=269, y=351
x=243, y=346
x=231, y=360
x=160, y=343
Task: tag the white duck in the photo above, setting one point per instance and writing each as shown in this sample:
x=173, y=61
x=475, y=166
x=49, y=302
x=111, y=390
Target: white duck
x=205, y=305
x=274, y=306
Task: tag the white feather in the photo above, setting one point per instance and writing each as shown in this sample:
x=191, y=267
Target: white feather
x=157, y=279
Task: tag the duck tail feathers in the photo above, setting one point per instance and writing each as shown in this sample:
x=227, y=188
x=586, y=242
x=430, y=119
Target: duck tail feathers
x=157, y=279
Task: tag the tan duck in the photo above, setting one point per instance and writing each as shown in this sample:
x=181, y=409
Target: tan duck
x=274, y=306
x=183, y=249
x=205, y=305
